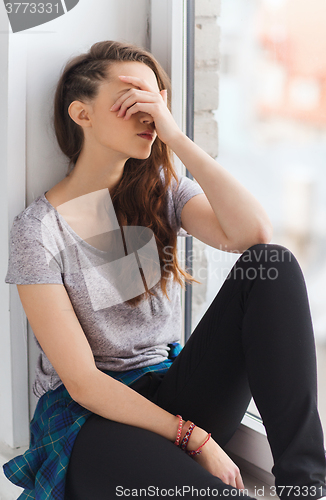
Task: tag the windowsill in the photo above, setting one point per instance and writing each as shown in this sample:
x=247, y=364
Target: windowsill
x=253, y=422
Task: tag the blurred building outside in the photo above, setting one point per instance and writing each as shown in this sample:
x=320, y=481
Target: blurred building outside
x=271, y=119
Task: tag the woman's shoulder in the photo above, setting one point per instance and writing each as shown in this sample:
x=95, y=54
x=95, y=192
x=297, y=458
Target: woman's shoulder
x=36, y=210
x=33, y=246
x=39, y=216
x=43, y=205
x=58, y=194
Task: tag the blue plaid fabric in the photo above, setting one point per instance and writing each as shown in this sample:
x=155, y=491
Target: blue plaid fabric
x=57, y=419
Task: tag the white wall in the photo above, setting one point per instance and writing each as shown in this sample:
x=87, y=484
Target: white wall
x=30, y=64
x=87, y=23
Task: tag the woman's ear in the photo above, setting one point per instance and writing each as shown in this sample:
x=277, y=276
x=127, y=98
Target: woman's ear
x=78, y=112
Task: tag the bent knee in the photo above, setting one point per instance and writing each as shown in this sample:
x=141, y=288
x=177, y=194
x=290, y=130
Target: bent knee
x=268, y=252
x=269, y=255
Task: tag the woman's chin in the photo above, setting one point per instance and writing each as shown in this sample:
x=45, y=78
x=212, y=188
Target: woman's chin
x=143, y=156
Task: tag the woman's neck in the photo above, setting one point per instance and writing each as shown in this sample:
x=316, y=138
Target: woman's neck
x=93, y=172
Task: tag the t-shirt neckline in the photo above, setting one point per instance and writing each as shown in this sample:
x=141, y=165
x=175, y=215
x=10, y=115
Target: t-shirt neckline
x=65, y=223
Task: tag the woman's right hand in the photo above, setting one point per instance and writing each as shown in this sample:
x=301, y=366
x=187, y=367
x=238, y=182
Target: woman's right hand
x=216, y=461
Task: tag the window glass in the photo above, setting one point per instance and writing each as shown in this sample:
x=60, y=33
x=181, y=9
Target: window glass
x=271, y=120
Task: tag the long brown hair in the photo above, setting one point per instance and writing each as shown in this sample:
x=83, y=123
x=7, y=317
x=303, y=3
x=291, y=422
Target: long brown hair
x=140, y=197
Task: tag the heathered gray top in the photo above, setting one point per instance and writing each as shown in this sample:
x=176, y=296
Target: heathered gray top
x=45, y=249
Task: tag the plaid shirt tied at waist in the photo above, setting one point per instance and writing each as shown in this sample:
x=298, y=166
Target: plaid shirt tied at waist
x=57, y=419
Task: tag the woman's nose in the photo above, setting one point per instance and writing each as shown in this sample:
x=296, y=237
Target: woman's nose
x=146, y=118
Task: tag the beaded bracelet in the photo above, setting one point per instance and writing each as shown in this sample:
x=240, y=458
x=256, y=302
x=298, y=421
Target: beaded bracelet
x=192, y=453
x=186, y=437
x=185, y=428
x=177, y=441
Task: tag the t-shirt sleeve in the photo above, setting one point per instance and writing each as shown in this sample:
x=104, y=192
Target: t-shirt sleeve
x=187, y=188
x=33, y=258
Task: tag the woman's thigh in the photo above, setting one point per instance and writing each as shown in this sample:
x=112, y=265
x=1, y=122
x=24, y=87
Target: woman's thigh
x=114, y=460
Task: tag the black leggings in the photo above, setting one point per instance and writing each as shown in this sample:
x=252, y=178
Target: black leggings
x=255, y=339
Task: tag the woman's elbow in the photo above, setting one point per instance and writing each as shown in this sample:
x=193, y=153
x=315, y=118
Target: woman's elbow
x=80, y=387
x=264, y=233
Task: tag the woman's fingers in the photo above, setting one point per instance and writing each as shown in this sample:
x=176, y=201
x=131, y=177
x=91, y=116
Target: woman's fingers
x=131, y=98
x=231, y=482
x=143, y=107
x=144, y=93
x=137, y=82
x=164, y=94
x=236, y=479
x=132, y=94
x=239, y=483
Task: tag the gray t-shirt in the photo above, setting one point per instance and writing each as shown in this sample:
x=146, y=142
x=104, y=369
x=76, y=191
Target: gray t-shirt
x=45, y=249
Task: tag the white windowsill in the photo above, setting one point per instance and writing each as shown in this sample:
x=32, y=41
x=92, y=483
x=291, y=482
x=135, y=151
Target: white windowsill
x=254, y=423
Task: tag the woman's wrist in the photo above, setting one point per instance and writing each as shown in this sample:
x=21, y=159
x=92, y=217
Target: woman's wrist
x=196, y=438
x=176, y=139
x=189, y=437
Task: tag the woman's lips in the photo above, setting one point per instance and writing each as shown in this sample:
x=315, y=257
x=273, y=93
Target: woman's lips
x=149, y=137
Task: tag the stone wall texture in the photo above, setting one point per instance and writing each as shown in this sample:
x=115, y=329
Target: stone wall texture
x=207, y=40
x=207, y=55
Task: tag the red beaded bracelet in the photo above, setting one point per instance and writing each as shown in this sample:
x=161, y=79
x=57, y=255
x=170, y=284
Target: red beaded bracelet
x=199, y=450
x=186, y=437
x=177, y=441
x=185, y=428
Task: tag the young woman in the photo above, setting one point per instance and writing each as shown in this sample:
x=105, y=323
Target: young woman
x=118, y=400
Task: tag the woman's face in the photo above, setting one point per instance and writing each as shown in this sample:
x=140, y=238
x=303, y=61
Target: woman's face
x=106, y=129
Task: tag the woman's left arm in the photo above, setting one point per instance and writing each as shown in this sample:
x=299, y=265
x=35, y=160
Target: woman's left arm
x=227, y=216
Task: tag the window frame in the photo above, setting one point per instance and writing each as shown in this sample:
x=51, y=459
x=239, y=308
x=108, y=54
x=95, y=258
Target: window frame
x=14, y=422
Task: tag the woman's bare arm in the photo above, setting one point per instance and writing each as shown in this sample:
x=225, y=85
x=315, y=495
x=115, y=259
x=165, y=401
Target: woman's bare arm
x=56, y=326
